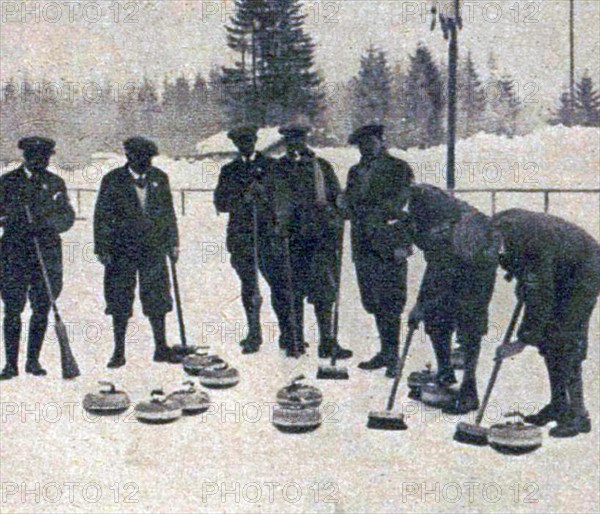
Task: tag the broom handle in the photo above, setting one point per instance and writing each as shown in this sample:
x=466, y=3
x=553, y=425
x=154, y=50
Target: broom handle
x=399, y=370
x=292, y=294
x=498, y=362
x=338, y=287
x=178, y=305
x=42, y=264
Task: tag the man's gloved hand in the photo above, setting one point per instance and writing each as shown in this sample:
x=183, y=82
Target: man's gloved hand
x=504, y=351
x=415, y=317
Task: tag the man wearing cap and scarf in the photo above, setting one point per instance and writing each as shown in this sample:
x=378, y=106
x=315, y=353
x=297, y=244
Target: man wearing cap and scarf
x=314, y=233
x=33, y=187
x=460, y=247
x=374, y=202
x=557, y=267
x=248, y=191
x=135, y=230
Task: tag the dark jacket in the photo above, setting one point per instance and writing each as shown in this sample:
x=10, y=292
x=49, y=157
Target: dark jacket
x=550, y=258
x=46, y=195
x=122, y=227
x=309, y=221
x=234, y=181
x=376, y=193
x=443, y=226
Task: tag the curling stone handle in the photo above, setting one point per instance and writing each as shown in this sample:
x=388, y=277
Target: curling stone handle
x=190, y=384
x=157, y=395
x=400, y=369
x=296, y=381
x=498, y=362
x=109, y=385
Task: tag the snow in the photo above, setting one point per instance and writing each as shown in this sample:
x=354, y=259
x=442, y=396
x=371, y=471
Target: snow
x=47, y=438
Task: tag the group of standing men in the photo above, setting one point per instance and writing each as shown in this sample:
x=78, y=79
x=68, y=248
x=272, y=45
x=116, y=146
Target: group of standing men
x=286, y=221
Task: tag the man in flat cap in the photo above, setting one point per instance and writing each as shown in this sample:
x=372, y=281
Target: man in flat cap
x=31, y=187
x=135, y=230
x=460, y=247
x=374, y=202
x=557, y=268
x=314, y=240
x=248, y=191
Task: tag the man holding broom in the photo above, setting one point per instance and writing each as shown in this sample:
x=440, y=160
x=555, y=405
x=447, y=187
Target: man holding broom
x=557, y=267
x=135, y=230
x=376, y=194
x=314, y=240
x=255, y=201
x=460, y=247
x=33, y=205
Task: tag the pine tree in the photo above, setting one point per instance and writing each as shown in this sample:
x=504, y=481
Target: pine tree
x=587, y=103
x=424, y=100
x=471, y=100
x=505, y=108
x=273, y=79
x=564, y=115
x=372, y=89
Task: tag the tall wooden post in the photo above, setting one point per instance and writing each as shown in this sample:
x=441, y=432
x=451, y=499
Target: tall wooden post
x=572, y=58
x=450, y=23
x=452, y=70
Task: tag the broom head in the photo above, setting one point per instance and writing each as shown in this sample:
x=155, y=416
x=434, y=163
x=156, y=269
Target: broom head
x=386, y=420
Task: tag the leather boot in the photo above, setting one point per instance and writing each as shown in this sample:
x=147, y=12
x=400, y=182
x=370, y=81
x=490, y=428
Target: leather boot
x=440, y=339
x=12, y=337
x=37, y=331
x=251, y=343
x=162, y=353
x=467, y=399
x=328, y=346
x=119, y=331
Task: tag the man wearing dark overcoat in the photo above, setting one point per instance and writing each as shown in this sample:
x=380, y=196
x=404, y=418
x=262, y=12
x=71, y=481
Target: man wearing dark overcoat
x=34, y=205
x=135, y=231
x=557, y=268
x=314, y=239
x=374, y=202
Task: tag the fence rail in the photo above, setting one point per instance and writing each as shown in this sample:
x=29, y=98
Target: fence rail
x=546, y=192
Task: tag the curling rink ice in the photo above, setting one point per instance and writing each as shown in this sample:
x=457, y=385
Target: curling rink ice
x=232, y=459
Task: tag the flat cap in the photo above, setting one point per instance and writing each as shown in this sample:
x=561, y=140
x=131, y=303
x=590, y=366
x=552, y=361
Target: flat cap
x=140, y=145
x=366, y=131
x=241, y=132
x=294, y=130
x=41, y=144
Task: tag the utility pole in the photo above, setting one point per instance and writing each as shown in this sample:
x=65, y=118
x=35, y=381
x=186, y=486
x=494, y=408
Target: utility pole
x=451, y=23
x=572, y=59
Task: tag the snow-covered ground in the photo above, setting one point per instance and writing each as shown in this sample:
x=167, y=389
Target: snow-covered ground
x=224, y=461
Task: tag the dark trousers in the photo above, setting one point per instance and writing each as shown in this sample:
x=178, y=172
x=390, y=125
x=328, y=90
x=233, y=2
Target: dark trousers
x=242, y=261
x=120, y=279
x=21, y=280
x=456, y=298
x=565, y=347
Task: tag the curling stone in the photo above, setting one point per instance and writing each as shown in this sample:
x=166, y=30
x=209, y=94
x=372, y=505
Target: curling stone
x=107, y=401
x=514, y=438
x=436, y=395
x=218, y=375
x=192, y=400
x=296, y=419
x=298, y=393
x=158, y=410
x=417, y=379
x=194, y=364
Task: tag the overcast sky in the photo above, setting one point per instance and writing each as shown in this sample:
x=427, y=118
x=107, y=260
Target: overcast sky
x=88, y=40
